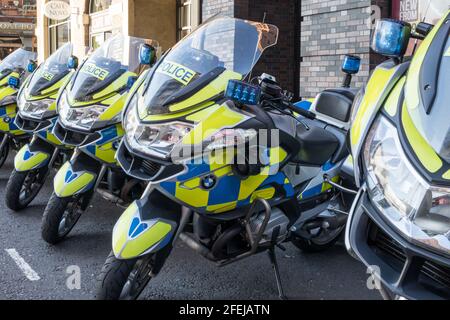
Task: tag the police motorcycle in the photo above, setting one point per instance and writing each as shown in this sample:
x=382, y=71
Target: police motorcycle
x=186, y=123
x=13, y=71
x=37, y=116
x=399, y=225
x=90, y=109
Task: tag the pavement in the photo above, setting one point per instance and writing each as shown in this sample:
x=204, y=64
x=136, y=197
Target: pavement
x=32, y=269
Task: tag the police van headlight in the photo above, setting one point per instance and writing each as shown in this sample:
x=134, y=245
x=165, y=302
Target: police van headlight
x=420, y=211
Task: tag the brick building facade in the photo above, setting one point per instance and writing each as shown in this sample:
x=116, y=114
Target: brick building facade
x=316, y=34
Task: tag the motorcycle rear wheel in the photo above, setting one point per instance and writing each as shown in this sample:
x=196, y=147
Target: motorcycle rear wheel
x=23, y=187
x=124, y=279
x=60, y=216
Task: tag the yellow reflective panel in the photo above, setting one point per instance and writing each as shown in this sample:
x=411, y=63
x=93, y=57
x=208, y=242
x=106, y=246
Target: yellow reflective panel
x=25, y=161
x=63, y=189
x=427, y=156
x=223, y=207
x=57, y=85
x=196, y=197
x=374, y=91
x=216, y=87
x=447, y=54
x=176, y=71
x=412, y=84
x=392, y=103
x=223, y=117
x=116, y=106
x=115, y=86
x=447, y=175
x=149, y=238
x=266, y=194
x=120, y=232
x=169, y=116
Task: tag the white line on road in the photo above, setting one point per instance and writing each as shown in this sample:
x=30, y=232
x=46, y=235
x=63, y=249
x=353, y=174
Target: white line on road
x=25, y=267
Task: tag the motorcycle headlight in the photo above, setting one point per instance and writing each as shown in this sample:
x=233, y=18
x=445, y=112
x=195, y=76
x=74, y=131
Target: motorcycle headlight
x=420, y=211
x=153, y=139
x=35, y=109
x=84, y=118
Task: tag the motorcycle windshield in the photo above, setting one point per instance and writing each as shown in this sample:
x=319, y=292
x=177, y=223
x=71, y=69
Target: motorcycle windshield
x=51, y=71
x=118, y=55
x=221, y=44
x=16, y=61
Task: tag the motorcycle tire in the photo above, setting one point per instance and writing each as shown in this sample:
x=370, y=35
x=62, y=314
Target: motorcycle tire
x=23, y=187
x=313, y=246
x=57, y=213
x=115, y=281
x=4, y=154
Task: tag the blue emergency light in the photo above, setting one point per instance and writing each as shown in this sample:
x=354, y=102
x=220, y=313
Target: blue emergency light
x=243, y=92
x=14, y=82
x=351, y=64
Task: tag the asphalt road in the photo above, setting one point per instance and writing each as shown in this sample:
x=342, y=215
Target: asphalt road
x=331, y=275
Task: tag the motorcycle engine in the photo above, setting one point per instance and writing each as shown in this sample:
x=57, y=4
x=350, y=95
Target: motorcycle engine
x=278, y=221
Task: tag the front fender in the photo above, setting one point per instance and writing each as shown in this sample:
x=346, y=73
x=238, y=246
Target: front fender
x=69, y=182
x=147, y=226
x=29, y=158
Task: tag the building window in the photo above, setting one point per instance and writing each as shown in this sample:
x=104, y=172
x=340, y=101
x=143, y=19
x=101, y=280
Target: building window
x=99, y=5
x=188, y=17
x=97, y=39
x=59, y=34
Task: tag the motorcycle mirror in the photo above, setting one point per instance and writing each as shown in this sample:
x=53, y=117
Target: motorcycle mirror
x=131, y=81
x=72, y=63
x=424, y=28
x=391, y=38
x=32, y=65
x=147, y=54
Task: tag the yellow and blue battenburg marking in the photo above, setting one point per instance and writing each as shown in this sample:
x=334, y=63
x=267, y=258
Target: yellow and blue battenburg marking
x=93, y=70
x=177, y=72
x=104, y=149
x=7, y=116
x=229, y=191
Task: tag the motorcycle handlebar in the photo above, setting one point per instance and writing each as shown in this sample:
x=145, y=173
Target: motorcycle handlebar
x=305, y=113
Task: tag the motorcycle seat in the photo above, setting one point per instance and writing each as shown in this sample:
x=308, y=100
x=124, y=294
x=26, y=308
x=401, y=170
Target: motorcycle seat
x=336, y=103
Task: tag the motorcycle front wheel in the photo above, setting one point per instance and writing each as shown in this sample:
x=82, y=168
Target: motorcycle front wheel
x=23, y=187
x=324, y=240
x=60, y=216
x=125, y=279
x=4, y=153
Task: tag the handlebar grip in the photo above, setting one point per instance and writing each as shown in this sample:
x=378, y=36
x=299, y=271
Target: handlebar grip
x=305, y=113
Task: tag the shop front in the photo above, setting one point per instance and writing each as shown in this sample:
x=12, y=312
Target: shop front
x=88, y=23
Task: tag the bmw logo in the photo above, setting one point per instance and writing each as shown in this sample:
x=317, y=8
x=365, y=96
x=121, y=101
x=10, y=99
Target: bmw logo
x=7, y=119
x=209, y=182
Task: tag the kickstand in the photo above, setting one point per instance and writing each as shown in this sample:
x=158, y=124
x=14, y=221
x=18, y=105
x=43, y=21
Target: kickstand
x=274, y=262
